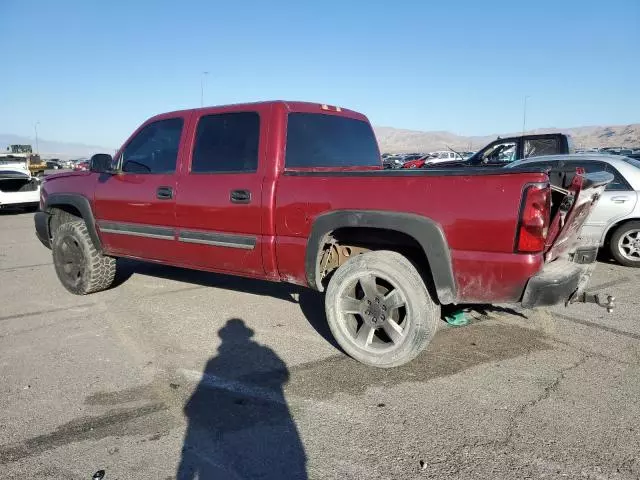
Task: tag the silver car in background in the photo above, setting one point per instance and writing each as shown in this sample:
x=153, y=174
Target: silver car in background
x=615, y=222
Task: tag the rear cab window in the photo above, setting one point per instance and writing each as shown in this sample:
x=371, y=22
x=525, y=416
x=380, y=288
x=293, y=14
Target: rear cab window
x=537, y=147
x=317, y=140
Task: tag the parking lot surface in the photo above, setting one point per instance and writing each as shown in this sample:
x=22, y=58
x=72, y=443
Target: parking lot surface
x=180, y=374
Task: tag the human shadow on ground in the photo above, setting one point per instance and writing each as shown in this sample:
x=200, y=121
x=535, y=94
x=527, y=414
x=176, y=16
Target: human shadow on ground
x=239, y=424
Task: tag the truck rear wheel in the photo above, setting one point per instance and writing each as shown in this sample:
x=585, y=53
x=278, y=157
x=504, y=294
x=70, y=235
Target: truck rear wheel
x=379, y=309
x=79, y=266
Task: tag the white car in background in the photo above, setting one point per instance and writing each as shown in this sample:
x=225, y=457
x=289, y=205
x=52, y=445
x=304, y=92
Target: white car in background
x=444, y=156
x=615, y=221
x=18, y=188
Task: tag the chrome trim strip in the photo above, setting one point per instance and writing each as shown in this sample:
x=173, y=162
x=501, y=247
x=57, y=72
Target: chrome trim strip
x=137, y=230
x=217, y=239
x=137, y=234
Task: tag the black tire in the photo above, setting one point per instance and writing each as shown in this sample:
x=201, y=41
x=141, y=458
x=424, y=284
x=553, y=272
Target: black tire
x=79, y=266
x=623, y=235
x=352, y=313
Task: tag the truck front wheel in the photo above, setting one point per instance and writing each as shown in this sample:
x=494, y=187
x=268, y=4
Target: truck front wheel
x=81, y=268
x=379, y=309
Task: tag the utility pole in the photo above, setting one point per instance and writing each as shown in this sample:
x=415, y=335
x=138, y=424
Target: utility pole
x=202, y=88
x=524, y=115
x=35, y=127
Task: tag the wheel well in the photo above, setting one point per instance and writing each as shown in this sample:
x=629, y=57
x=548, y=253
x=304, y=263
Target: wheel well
x=614, y=227
x=62, y=214
x=343, y=243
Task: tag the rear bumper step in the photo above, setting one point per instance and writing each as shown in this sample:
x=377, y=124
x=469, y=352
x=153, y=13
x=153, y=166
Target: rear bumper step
x=555, y=284
x=564, y=281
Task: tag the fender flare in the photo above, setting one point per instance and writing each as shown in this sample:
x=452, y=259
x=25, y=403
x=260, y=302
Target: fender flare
x=425, y=231
x=80, y=203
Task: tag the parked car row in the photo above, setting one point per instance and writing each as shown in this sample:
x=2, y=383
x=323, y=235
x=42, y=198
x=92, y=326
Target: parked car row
x=419, y=160
x=497, y=153
x=626, y=152
x=58, y=164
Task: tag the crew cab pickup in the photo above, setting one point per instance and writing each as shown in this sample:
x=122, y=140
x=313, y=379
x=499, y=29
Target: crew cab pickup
x=295, y=192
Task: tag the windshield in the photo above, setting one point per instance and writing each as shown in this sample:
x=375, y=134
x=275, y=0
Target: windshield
x=499, y=153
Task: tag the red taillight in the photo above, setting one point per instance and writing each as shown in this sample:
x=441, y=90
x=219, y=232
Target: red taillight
x=534, y=219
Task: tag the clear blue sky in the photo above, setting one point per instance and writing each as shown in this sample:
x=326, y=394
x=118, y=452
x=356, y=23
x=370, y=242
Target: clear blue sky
x=91, y=71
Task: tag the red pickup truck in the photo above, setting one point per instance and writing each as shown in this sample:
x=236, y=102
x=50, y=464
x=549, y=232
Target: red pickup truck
x=295, y=192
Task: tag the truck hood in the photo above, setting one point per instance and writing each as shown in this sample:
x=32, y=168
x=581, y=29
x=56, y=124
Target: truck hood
x=79, y=173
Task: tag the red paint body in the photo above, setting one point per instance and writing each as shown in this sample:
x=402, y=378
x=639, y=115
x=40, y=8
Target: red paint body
x=478, y=214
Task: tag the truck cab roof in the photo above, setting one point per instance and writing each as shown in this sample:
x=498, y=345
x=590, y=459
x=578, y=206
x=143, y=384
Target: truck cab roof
x=287, y=105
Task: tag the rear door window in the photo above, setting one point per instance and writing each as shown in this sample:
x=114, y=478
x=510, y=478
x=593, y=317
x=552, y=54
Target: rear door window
x=319, y=140
x=538, y=147
x=619, y=183
x=568, y=169
x=226, y=143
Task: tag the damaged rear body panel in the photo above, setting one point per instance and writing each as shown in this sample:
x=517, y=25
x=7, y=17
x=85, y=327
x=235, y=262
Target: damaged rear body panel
x=569, y=259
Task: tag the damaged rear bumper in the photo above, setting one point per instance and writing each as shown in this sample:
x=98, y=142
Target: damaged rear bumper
x=560, y=281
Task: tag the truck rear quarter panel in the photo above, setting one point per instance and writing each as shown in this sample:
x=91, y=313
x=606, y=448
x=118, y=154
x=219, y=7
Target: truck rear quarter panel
x=478, y=214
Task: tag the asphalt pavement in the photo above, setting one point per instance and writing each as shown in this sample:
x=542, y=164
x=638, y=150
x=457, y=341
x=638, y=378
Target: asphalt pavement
x=182, y=374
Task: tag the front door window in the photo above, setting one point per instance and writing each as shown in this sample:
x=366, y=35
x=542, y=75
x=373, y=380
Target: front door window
x=154, y=150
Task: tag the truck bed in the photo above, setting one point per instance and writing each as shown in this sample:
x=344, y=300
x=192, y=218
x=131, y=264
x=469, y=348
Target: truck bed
x=476, y=208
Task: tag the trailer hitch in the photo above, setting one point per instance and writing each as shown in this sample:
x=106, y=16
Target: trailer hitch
x=596, y=298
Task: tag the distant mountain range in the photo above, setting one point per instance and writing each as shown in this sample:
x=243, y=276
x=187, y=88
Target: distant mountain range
x=394, y=140
x=390, y=139
x=53, y=149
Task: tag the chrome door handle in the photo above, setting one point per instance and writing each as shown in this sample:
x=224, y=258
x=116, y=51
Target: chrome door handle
x=240, y=196
x=619, y=199
x=164, y=193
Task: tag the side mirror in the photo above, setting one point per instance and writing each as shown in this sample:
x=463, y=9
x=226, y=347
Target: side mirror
x=101, y=163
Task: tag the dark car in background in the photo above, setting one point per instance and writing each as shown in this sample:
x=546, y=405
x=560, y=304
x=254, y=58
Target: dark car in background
x=503, y=151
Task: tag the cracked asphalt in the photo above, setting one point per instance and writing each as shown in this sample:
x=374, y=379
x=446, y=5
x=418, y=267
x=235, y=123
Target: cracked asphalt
x=179, y=374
